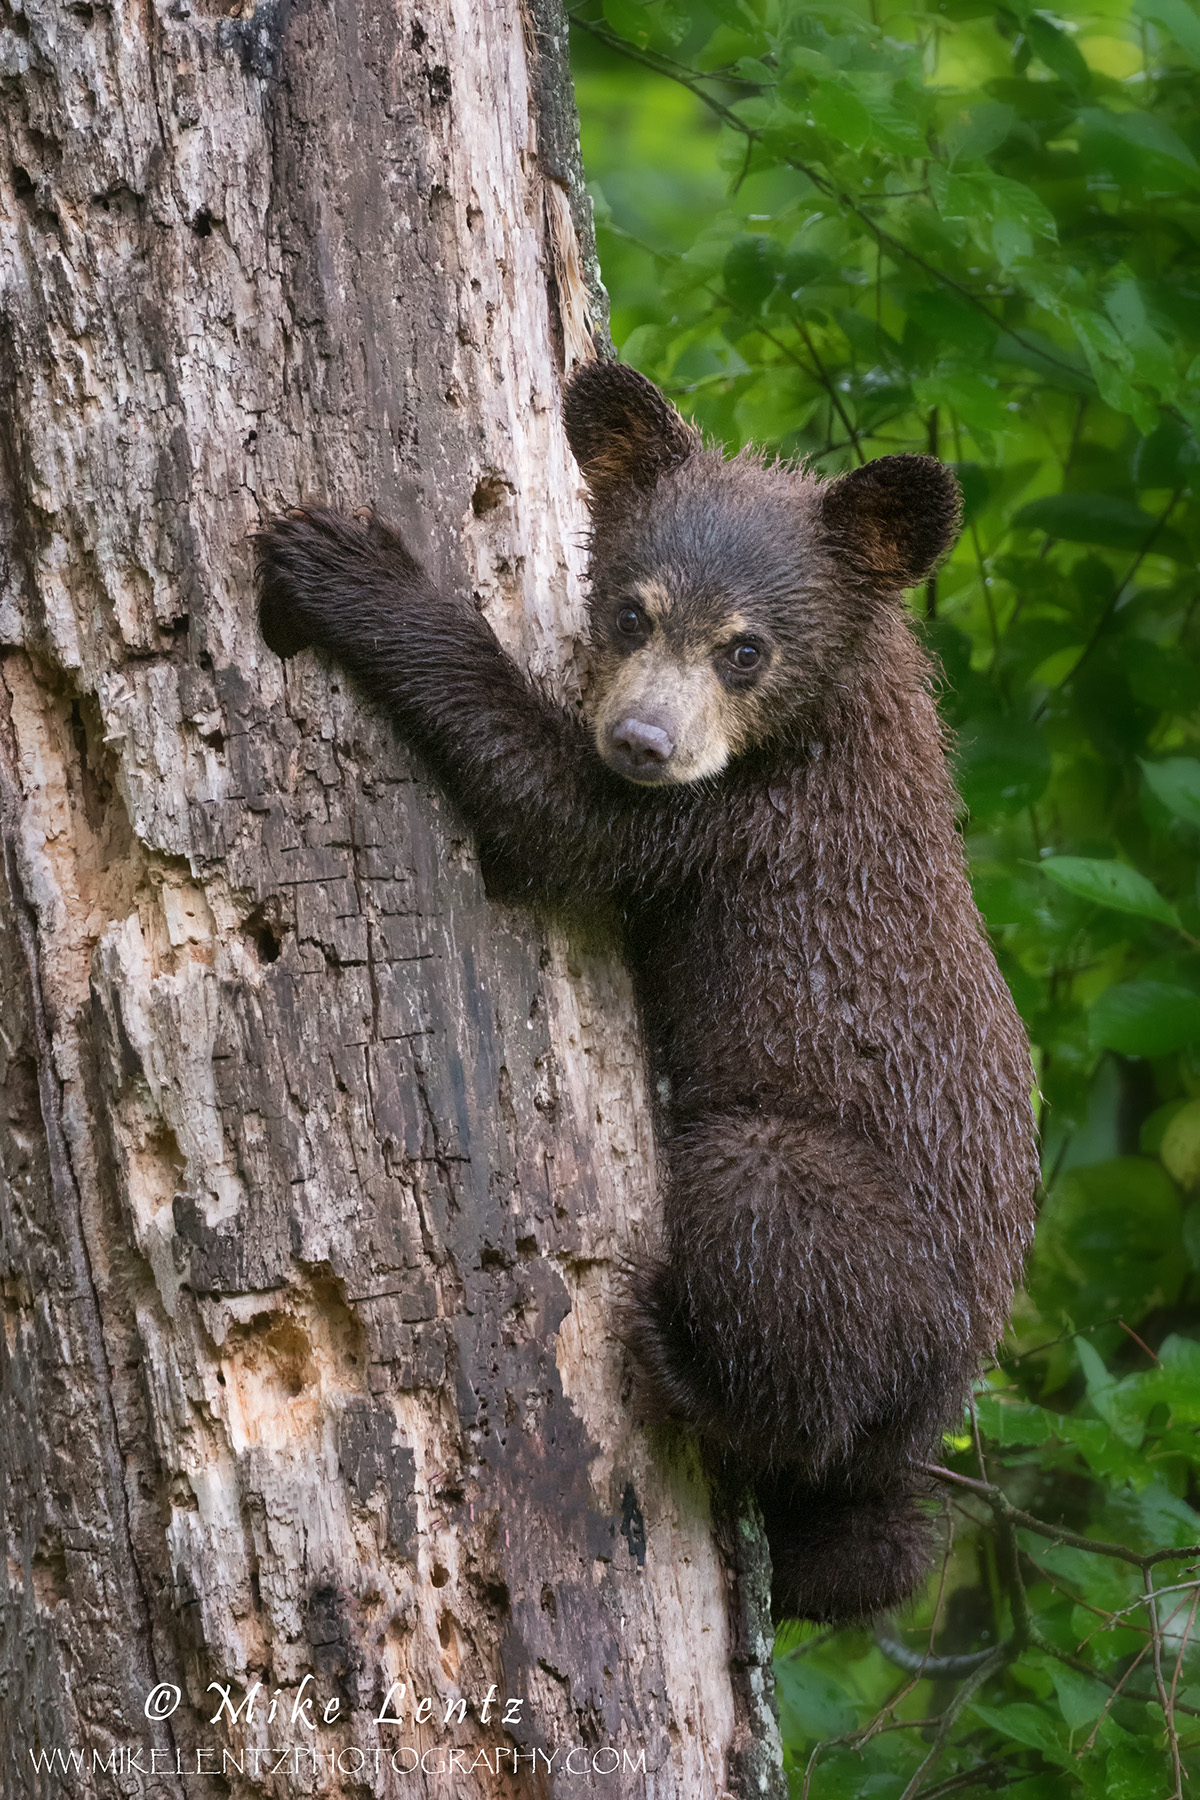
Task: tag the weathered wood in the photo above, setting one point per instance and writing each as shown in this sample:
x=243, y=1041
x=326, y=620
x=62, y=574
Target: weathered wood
x=320, y=1169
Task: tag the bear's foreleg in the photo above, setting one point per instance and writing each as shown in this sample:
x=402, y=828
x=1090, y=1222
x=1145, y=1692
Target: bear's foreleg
x=548, y=816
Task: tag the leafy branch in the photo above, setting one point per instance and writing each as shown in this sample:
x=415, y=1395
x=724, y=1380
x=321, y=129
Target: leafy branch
x=857, y=206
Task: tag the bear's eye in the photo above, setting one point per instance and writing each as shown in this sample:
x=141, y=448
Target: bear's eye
x=745, y=656
x=629, y=621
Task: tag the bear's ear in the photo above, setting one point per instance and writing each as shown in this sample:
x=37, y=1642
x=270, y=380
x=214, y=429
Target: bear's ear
x=894, y=518
x=624, y=433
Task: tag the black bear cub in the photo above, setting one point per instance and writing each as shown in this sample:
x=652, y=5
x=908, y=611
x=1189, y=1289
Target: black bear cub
x=761, y=789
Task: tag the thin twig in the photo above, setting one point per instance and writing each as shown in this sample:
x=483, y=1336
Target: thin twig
x=974, y=1411
x=811, y=1765
x=827, y=383
x=1178, y=1587
x=999, y=1499
x=1164, y=1699
x=1049, y=1648
x=976, y=1668
x=1113, y=601
x=964, y=1778
x=1009, y=1359
x=802, y=1649
x=1116, y=1689
x=947, y=1553
x=1140, y=1342
x=996, y=1659
x=1183, y=1643
x=854, y=1740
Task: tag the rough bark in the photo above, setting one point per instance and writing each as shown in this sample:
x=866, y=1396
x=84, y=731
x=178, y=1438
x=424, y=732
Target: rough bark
x=319, y=1169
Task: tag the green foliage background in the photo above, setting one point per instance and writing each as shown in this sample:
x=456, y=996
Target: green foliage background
x=848, y=229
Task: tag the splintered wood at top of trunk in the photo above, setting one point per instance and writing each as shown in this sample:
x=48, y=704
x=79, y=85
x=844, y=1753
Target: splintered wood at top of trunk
x=320, y=1169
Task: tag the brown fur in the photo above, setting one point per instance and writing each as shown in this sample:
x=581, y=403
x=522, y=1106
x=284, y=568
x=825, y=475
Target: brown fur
x=849, y=1144
x=621, y=434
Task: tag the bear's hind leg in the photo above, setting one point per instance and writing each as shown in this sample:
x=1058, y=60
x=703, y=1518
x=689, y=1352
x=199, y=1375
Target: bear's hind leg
x=810, y=1320
x=805, y=1301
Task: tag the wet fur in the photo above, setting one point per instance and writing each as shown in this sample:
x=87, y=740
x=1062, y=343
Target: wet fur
x=849, y=1153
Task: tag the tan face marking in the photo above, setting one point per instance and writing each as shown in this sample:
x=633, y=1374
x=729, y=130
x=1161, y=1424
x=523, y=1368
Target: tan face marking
x=670, y=683
x=658, y=603
x=684, y=700
x=654, y=600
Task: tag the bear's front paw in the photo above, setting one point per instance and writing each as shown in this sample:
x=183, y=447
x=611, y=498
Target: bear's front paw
x=291, y=554
x=327, y=579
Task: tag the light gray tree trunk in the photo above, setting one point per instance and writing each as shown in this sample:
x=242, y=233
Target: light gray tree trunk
x=320, y=1169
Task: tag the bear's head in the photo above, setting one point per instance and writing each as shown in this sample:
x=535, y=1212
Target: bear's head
x=729, y=594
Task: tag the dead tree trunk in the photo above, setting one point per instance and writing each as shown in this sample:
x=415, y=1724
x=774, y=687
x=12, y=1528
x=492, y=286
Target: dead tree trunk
x=318, y=1167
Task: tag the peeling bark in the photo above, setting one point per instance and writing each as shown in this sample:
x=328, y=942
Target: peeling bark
x=319, y=1169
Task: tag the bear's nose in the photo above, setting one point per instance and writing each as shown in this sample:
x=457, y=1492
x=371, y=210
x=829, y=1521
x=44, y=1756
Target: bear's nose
x=642, y=744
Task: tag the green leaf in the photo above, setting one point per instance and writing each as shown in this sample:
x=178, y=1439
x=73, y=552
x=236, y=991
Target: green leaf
x=1090, y=519
x=752, y=269
x=1120, y=1404
x=1003, y=764
x=1081, y=1698
x=1178, y=1381
x=812, y=1702
x=1014, y=201
x=1054, y=365
x=1176, y=782
x=978, y=132
x=1007, y=1422
x=1036, y=1787
x=1168, y=458
x=1154, y=1128
x=1123, y=142
x=1100, y=1447
x=1152, y=1515
x=1059, y=53
x=948, y=320
x=1095, y=1372
x=953, y=195
x=1109, y=883
x=976, y=400
x=841, y=114
x=1021, y=1723
x=1176, y=18
x=1166, y=680
x=1180, y=1147
x=734, y=13
x=662, y=23
x=1133, y=1771
x=630, y=19
x=1145, y=1018
x=1109, y=1246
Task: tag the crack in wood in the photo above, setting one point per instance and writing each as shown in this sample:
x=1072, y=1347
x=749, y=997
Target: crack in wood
x=141, y=1671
